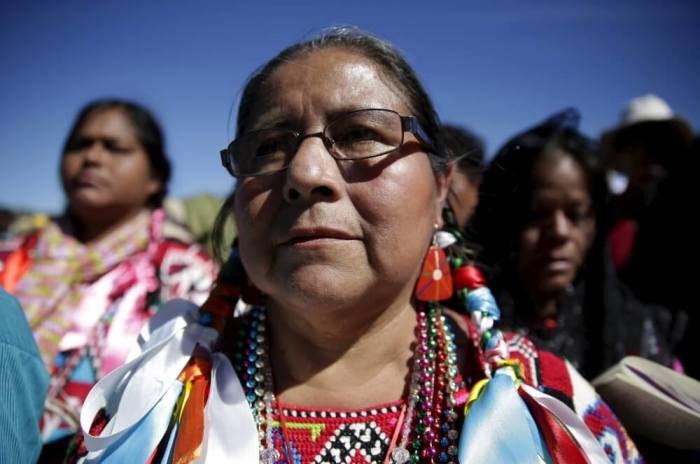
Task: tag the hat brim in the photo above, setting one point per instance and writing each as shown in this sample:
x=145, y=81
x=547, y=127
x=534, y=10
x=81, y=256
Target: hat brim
x=614, y=140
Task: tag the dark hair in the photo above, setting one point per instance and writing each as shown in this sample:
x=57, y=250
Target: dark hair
x=599, y=315
x=506, y=188
x=376, y=50
x=466, y=148
x=503, y=210
x=146, y=130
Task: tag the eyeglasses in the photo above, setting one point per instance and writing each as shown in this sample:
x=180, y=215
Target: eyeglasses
x=355, y=135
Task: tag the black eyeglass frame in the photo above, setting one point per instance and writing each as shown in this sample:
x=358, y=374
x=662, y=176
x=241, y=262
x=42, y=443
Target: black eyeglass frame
x=408, y=124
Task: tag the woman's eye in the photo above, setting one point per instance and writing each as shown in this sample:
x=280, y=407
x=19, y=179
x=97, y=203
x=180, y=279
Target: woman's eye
x=357, y=134
x=115, y=147
x=80, y=144
x=580, y=215
x=270, y=147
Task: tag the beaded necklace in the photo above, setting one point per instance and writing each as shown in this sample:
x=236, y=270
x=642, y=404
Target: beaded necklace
x=429, y=430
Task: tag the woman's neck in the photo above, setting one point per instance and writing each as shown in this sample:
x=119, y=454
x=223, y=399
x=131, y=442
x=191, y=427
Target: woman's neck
x=546, y=307
x=344, y=361
x=96, y=227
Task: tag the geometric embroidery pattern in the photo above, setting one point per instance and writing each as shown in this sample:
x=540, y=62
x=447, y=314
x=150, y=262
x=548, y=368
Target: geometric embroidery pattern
x=327, y=436
x=358, y=442
x=524, y=350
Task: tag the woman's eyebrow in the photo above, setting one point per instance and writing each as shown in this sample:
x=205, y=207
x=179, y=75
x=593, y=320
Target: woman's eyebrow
x=342, y=111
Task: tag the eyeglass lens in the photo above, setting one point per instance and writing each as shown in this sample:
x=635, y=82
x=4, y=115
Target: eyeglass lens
x=355, y=135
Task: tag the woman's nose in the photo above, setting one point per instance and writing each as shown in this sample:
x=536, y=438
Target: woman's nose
x=312, y=174
x=560, y=225
x=94, y=153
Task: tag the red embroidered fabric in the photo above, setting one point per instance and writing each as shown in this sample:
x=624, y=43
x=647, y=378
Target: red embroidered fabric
x=327, y=435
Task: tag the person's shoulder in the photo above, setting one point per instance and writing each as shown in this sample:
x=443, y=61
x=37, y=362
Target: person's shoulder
x=555, y=376
x=23, y=229
x=14, y=329
x=11, y=310
x=24, y=381
x=17, y=249
x=26, y=224
x=541, y=369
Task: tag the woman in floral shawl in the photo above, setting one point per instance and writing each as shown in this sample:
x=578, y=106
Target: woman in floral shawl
x=90, y=278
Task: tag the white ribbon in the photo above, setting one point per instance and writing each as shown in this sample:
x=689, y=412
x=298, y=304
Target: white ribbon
x=230, y=431
x=133, y=389
x=592, y=450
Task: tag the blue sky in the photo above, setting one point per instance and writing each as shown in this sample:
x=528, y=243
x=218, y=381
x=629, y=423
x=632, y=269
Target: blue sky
x=495, y=66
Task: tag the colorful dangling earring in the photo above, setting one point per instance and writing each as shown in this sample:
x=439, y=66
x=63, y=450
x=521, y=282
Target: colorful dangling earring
x=435, y=280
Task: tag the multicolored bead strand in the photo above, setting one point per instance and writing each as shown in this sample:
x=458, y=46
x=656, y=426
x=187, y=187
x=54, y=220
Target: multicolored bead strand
x=434, y=384
x=436, y=436
x=252, y=365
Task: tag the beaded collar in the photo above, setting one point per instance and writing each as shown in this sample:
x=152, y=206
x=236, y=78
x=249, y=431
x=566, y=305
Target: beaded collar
x=428, y=432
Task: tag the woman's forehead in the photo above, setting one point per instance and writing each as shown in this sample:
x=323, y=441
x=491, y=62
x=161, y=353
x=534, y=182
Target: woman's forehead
x=324, y=83
x=560, y=171
x=113, y=121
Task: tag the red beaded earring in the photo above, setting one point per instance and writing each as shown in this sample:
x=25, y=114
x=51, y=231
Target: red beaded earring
x=435, y=280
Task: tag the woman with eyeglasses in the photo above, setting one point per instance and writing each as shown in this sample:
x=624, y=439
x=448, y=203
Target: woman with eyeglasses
x=340, y=350
x=90, y=278
x=540, y=225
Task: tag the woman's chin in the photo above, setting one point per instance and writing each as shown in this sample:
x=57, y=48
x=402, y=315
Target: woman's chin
x=88, y=201
x=554, y=286
x=320, y=290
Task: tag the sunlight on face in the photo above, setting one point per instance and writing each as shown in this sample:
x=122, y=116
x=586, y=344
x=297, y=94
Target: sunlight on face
x=328, y=234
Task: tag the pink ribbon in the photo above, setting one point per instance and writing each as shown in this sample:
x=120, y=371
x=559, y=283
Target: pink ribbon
x=135, y=283
x=574, y=425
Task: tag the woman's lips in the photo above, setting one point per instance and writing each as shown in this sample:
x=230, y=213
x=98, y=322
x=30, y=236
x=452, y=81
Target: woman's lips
x=310, y=237
x=558, y=264
x=87, y=179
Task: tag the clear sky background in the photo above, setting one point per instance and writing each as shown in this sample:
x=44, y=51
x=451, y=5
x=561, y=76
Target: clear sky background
x=496, y=66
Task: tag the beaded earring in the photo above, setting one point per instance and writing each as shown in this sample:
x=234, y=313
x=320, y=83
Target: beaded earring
x=435, y=280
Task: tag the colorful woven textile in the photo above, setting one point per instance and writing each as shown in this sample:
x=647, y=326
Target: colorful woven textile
x=86, y=303
x=62, y=272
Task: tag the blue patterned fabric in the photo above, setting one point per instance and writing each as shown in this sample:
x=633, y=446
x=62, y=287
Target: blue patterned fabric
x=24, y=382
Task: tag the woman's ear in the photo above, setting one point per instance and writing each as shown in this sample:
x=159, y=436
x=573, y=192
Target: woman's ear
x=154, y=186
x=442, y=181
